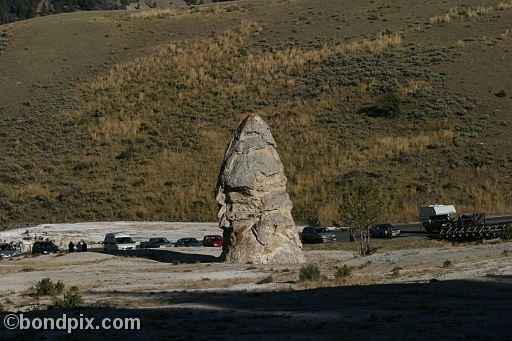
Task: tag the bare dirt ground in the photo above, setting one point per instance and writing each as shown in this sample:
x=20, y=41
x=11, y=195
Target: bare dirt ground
x=459, y=292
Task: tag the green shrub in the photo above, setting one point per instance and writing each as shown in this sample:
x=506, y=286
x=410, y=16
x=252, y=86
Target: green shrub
x=343, y=272
x=314, y=221
x=71, y=299
x=46, y=287
x=507, y=234
x=388, y=105
x=59, y=287
x=501, y=94
x=309, y=272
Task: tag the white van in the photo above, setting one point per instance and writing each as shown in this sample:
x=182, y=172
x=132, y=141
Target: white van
x=118, y=241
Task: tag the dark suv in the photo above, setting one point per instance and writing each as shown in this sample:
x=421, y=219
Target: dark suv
x=384, y=231
x=44, y=247
x=317, y=235
x=188, y=242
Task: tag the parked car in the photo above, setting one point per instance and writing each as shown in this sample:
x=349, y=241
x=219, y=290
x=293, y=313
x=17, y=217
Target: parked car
x=44, y=247
x=188, y=242
x=213, y=241
x=317, y=235
x=155, y=243
x=470, y=220
x=118, y=241
x=7, y=250
x=384, y=231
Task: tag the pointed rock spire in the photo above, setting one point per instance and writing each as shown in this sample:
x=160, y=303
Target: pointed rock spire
x=255, y=209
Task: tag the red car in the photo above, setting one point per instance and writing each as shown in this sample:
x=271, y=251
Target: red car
x=471, y=220
x=213, y=241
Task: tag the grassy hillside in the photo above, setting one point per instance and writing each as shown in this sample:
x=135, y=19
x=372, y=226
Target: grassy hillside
x=126, y=115
x=15, y=10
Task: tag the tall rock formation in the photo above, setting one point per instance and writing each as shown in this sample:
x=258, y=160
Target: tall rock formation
x=255, y=209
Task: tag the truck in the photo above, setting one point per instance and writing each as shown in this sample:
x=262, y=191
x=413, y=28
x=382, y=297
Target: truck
x=468, y=226
x=434, y=218
x=155, y=243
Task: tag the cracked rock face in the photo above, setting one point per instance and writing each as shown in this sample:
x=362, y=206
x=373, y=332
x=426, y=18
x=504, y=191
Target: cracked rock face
x=255, y=209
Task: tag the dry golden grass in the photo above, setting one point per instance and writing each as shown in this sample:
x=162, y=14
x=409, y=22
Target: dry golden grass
x=167, y=97
x=207, y=283
x=504, y=6
x=460, y=43
x=115, y=128
x=469, y=12
x=415, y=86
x=367, y=86
x=34, y=190
x=197, y=71
x=390, y=146
x=397, y=244
x=447, y=18
x=383, y=245
x=353, y=157
x=356, y=156
x=184, y=199
x=478, y=11
x=182, y=11
x=354, y=279
x=221, y=70
x=213, y=8
x=159, y=13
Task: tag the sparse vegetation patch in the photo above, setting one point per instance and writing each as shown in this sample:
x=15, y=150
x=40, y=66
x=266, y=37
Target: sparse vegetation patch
x=388, y=105
x=309, y=272
x=46, y=287
x=343, y=272
x=447, y=263
x=71, y=299
x=469, y=12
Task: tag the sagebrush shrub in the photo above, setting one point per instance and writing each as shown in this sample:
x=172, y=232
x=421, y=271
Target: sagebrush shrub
x=71, y=299
x=343, y=272
x=388, y=105
x=309, y=272
x=46, y=287
x=508, y=232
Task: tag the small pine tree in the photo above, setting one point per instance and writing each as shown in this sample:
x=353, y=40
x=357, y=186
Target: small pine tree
x=361, y=206
x=314, y=221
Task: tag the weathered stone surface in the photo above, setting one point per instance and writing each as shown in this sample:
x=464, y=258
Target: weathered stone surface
x=255, y=209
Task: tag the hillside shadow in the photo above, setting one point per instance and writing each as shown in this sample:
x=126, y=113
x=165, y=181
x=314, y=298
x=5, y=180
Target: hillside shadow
x=461, y=309
x=163, y=255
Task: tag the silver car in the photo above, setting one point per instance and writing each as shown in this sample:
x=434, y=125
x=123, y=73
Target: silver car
x=317, y=234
